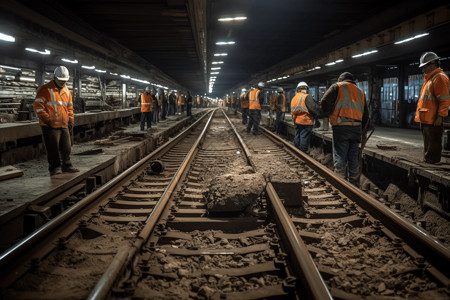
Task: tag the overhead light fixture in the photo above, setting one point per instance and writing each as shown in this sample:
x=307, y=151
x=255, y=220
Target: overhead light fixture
x=216, y=68
x=226, y=43
x=365, y=53
x=214, y=73
x=7, y=38
x=220, y=54
x=412, y=38
x=125, y=76
x=100, y=71
x=139, y=80
x=115, y=74
x=88, y=67
x=70, y=61
x=232, y=19
x=217, y=62
x=8, y=67
x=45, y=52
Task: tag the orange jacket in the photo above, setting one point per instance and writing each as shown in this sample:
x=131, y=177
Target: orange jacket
x=244, y=100
x=299, y=111
x=146, y=102
x=281, y=106
x=254, y=99
x=54, y=107
x=180, y=100
x=273, y=102
x=198, y=100
x=434, y=97
x=349, y=103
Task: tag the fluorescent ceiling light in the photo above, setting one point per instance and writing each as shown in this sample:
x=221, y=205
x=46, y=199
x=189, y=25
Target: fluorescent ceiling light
x=88, y=67
x=365, y=53
x=232, y=19
x=330, y=64
x=115, y=74
x=125, y=76
x=8, y=67
x=100, y=71
x=214, y=73
x=412, y=38
x=220, y=54
x=45, y=52
x=216, y=68
x=139, y=80
x=225, y=43
x=217, y=62
x=70, y=61
x=7, y=38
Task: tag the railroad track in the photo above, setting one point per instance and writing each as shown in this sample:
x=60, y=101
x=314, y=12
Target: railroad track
x=185, y=232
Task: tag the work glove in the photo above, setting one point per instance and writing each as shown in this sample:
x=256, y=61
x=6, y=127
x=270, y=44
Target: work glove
x=438, y=121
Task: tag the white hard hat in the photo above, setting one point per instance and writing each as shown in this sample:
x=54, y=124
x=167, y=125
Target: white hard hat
x=427, y=57
x=243, y=90
x=280, y=90
x=302, y=83
x=260, y=84
x=147, y=89
x=61, y=73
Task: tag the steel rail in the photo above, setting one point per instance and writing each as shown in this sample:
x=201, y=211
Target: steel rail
x=304, y=266
x=31, y=240
x=125, y=256
x=429, y=247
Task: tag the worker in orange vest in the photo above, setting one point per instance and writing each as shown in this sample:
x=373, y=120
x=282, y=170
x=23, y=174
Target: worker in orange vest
x=244, y=105
x=280, y=106
x=432, y=106
x=255, y=99
x=54, y=108
x=303, y=110
x=345, y=104
x=146, y=109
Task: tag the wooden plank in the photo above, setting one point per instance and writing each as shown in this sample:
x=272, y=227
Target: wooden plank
x=9, y=172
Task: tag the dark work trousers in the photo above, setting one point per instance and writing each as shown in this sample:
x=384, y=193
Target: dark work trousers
x=279, y=122
x=346, y=141
x=244, y=115
x=302, y=137
x=189, y=110
x=255, y=119
x=182, y=108
x=164, y=110
x=146, y=116
x=432, y=142
x=57, y=144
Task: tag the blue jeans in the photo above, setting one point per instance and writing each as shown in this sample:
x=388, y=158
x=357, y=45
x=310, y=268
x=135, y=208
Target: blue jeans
x=146, y=116
x=255, y=119
x=302, y=136
x=346, y=141
x=244, y=115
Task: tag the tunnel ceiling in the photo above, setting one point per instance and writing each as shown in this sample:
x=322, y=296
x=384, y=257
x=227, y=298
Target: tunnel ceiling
x=165, y=33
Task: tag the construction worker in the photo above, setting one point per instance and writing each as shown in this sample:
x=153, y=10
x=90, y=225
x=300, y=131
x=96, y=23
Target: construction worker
x=255, y=100
x=180, y=104
x=432, y=106
x=198, y=102
x=172, y=103
x=163, y=100
x=233, y=101
x=189, y=102
x=280, y=110
x=53, y=105
x=345, y=104
x=244, y=105
x=303, y=110
x=272, y=110
x=155, y=117
x=146, y=109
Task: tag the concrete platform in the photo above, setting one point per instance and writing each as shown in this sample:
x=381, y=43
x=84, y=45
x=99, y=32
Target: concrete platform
x=32, y=192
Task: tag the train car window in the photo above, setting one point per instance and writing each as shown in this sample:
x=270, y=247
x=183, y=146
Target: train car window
x=389, y=101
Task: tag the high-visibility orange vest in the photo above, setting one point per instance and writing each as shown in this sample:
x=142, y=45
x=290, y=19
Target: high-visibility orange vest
x=434, y=97
x=273, y=102
x=198, y=100
x=283, y=104
x=349, y=103
x=146, y=102
x=299, y=111
x=54, y=106
x=154, y=102
x=233, y=100
x=254, y=100
x=180, y=100
x=244, y=100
